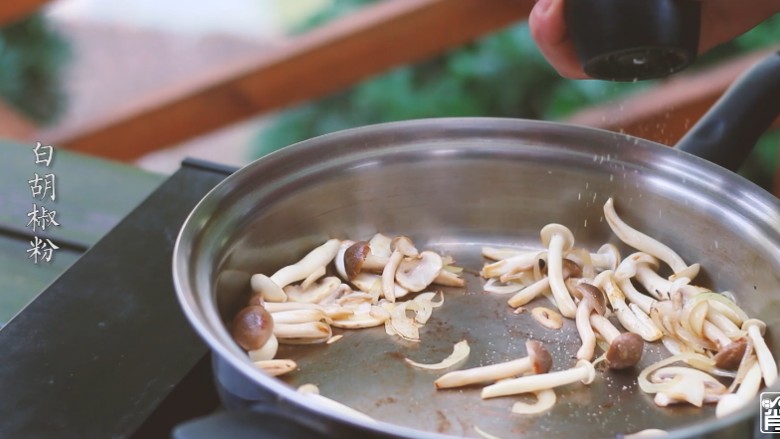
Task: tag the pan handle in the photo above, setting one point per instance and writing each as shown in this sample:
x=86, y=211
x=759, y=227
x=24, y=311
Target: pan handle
x=244, y=424
x=727, y=133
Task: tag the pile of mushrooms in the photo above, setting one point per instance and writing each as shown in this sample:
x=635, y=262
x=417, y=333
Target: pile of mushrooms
x=705, y=330
x=342, y=284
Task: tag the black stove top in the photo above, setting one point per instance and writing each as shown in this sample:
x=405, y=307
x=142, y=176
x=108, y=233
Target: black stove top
x=105, y=350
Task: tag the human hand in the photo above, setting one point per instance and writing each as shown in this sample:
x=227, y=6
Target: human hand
x=721, y=20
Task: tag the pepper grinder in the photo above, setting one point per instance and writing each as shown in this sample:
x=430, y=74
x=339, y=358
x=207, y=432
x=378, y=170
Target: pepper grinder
x=629, y=40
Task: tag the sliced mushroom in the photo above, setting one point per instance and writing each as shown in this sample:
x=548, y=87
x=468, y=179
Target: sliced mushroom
x=380, y=245
x=755, y=329
x=402, y=247
x=625, y=349
x=558, y=240
x=299, y=316
x=252, y=327
x=547, y=317
x=537, y=361
x=449, y=279
x=315, y=293
x=583, y=372
x=415, y=274
x=591, y=300
x=319, y=257
x=499, y=253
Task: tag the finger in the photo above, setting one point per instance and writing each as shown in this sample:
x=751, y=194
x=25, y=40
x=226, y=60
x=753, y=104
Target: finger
x=548, y=29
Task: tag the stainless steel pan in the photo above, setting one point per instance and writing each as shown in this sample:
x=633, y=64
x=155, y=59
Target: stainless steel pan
x=455, y=185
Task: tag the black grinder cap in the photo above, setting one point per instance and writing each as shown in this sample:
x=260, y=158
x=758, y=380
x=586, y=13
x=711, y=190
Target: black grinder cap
x=629, y=40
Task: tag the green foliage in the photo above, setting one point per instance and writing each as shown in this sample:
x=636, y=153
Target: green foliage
x=32, y=57
x=502, y=75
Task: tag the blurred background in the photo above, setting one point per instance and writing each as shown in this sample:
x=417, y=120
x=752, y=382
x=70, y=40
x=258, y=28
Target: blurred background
x=152, y=81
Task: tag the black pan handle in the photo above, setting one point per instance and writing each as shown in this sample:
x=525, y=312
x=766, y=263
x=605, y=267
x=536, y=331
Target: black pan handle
x=731, y=128
x=244, y=424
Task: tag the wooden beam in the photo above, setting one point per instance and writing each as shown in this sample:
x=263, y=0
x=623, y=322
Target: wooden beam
x=323, y=61
x=15, y=10
x=666, y=112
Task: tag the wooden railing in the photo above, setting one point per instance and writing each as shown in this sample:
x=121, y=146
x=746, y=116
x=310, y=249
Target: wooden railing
x=341, y=53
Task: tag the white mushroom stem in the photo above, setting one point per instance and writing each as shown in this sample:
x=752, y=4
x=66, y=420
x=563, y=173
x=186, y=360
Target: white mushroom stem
x=604, y=327
x=652, y=282
x=529, y=293
x=607, y=257
x=298, y=316
x=748, y=390
x=310, y=330
x=313, y=277
x=276, y=367
x=725, y=324
x=330, y=311
x=640, y=241
x=755, y=329
x=493, y=372
x=267, y=351
x=500, y=253
x=559, y=240
x=267, y=288
x=644, y=327
x=643, y=301
x=587, y=336
x=583, y=372
x=319, y=257
x=315, y=293
x=380, y=245
x=691, y=385
x=520, y=262
x=713, y=333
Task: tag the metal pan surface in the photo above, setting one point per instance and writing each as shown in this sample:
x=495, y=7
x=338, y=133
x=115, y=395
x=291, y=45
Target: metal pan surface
x=454, y=185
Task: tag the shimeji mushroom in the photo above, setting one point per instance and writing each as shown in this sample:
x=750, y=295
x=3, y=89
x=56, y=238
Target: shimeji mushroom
x=625, y=272
x=529, y=293
x=358, y=257
x=252, y=327
x=625, y=349
x=319, y=257
x=302, y=333
x=264, y=287
x=538, y=361
x=592, y=300
x=755, y=329
x=606, y=258
x=402, y=247
x=748, y=389
x=558, y=239
x=583, y=372
x=645, y=243
x=520, y=262
x=626, y=315
x=730, y=352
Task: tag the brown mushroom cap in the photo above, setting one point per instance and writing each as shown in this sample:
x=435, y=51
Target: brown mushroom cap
x=730, y=356
x=594, y=295
x=252, y=327
x=541, y=361
x=570, y=268
x=625, y=351
x=354, y=257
